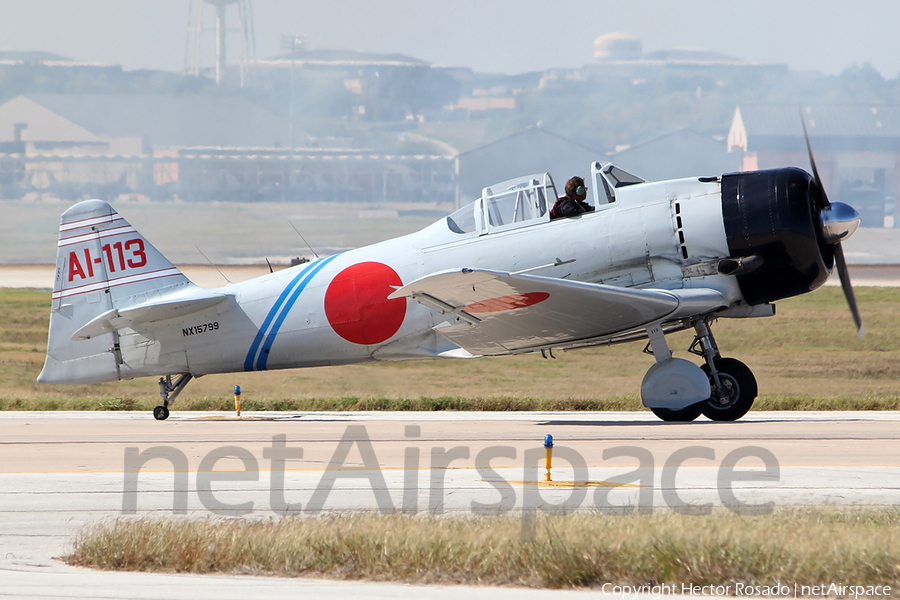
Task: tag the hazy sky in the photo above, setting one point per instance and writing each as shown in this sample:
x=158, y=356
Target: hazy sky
x=509, y=36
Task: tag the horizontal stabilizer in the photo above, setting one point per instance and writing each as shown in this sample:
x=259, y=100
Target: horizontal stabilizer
x=168, y=308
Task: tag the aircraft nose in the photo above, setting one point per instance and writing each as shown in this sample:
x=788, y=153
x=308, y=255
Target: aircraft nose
x=839, y=221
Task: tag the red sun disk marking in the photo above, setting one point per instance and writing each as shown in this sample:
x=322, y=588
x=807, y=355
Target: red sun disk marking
x=503, y=303
x=357, y=306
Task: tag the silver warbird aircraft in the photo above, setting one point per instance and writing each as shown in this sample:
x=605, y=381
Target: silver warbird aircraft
x=496, y=277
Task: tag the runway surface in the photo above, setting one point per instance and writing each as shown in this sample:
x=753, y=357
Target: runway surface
x=62, y=471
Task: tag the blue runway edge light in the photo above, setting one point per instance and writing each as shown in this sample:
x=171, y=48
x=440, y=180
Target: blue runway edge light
x=548, y=441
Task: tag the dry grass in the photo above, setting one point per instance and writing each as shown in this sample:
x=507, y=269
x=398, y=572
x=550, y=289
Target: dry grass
x=802, y=546
x=805, y=358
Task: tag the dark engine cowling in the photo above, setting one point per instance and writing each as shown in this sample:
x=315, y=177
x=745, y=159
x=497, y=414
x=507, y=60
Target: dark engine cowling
x=774, y=214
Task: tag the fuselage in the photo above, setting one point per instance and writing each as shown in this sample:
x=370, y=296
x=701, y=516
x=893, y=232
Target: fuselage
x=121, y=310
x=335, y=310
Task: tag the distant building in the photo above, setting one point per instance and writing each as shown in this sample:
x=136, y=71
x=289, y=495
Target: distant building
x=533, y=150
x=620, y=55
x=682, y=153
x=338, y=60
x=618, y=46
x=136, y=124
x=194, y=147
x=857, y=150
x=16, y=66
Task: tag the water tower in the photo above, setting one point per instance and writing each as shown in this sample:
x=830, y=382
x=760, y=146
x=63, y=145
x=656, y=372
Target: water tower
x=194, y=46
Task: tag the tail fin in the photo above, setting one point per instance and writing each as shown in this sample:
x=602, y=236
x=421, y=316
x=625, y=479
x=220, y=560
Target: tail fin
x=102, y=263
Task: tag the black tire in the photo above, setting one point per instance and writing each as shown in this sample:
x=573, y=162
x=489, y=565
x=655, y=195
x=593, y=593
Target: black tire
x=686, y=414
x=160, y=413
x=741, y=388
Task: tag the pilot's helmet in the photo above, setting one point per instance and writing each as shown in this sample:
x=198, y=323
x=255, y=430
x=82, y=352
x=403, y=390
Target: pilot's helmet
x=575, y=187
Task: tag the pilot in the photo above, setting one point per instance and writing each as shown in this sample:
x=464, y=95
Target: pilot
x=572, y=204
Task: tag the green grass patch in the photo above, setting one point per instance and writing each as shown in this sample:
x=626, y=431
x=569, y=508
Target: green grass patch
x=791, y=546
x=348, y=403
x=805, y=358
x=354, y=403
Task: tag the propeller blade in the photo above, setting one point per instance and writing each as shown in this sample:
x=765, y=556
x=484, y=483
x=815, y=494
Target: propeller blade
x=836, y=224
x=841, y=264
x=812, y=163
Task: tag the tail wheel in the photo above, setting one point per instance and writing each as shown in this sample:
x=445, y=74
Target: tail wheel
x=689, y=413
x=739, y=387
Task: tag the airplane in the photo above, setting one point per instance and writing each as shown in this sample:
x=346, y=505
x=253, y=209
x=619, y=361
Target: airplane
x=496, y=277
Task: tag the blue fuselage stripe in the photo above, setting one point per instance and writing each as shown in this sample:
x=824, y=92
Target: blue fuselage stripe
x=254, y=347
x=270, y=338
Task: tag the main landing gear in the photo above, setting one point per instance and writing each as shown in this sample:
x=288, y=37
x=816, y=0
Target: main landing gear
x=732, y=385
x=169, y=391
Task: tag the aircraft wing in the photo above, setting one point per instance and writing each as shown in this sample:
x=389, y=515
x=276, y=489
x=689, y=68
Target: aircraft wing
x=196, y=299
x=494, y=313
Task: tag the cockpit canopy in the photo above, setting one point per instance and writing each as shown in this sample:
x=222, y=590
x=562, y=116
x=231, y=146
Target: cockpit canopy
x=527, y=200
x=507, y=205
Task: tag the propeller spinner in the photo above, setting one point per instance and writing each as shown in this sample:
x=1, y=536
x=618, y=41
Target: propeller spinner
x=838, y=222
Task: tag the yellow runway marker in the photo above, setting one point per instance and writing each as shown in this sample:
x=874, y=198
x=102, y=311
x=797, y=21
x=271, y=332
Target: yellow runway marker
x=548, y=455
